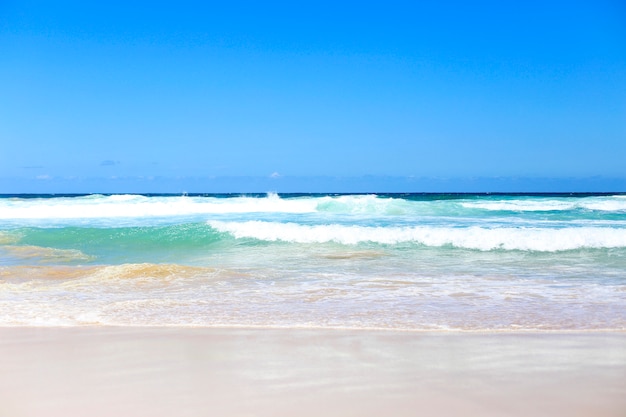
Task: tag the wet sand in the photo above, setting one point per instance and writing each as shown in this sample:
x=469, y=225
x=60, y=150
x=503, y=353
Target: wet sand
x=152, y=371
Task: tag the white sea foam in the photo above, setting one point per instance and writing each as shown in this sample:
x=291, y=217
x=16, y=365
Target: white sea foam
x=595, y=203
x=130, y=206
x=139, y=206
x=481, y=238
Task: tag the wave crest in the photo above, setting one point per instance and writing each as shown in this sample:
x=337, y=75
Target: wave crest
x=605, y=204
x=480, y=238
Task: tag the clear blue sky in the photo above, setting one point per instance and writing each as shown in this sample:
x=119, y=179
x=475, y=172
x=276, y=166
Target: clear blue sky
x=312, y=96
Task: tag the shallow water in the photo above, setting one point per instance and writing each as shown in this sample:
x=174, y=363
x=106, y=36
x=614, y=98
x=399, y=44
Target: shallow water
x=406, y=262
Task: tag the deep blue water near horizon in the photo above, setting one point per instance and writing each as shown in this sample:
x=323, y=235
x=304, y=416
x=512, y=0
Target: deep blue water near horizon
x=405, y=261
x=408, y=195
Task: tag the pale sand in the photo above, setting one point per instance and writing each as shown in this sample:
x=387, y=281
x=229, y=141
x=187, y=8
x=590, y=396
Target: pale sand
x=103, y=371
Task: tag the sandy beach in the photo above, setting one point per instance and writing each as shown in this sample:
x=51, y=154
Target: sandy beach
x=156, y=371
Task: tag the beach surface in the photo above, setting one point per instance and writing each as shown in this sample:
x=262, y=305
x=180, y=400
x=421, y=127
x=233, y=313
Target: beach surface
x=177, y=371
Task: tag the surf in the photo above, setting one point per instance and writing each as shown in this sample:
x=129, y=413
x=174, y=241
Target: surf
x=479, y=238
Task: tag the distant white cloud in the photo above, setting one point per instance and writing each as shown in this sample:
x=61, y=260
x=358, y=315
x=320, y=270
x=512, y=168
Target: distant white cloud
x=109, y=162
x=44, y=177
x=275, y=175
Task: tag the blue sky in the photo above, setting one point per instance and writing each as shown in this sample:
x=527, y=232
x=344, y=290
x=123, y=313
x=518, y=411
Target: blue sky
x=312, y=96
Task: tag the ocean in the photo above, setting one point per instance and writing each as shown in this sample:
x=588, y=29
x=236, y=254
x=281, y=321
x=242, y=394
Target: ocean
x=410, y=262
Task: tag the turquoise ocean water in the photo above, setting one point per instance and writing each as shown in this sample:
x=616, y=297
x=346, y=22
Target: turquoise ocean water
x=390, y=261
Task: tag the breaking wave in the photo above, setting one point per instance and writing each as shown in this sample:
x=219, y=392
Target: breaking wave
x=604, y=204
x=480, y=238
x=138, y=206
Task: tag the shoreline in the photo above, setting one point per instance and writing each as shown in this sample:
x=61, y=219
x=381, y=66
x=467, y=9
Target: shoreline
x=229, y=327
x=196, y=371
